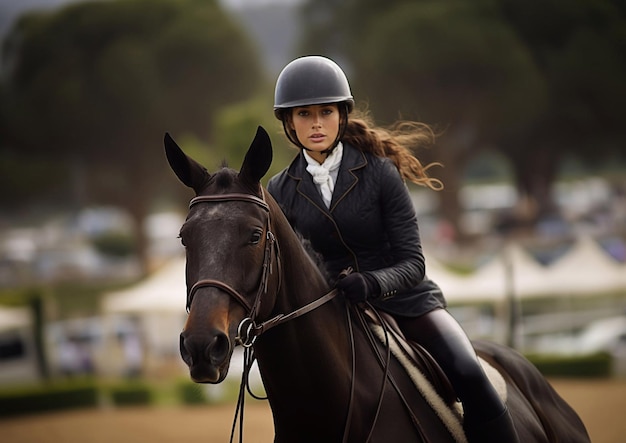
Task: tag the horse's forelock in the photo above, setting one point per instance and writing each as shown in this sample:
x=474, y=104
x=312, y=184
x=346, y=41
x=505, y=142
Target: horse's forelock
x=224, y=178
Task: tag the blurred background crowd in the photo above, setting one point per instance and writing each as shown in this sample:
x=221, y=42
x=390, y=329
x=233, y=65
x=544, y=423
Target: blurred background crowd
x=528, y=239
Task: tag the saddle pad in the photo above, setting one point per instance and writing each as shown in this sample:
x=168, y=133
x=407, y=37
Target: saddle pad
x=451, y=417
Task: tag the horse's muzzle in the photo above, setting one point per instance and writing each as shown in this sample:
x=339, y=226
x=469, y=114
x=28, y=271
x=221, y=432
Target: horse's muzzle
x=208, y=356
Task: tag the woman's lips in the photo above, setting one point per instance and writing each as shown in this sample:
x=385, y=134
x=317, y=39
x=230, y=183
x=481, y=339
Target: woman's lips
x=316, y=138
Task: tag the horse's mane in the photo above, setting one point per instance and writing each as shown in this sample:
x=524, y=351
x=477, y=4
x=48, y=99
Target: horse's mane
x=315, y=256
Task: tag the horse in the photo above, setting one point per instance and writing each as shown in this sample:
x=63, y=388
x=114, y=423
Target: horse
x=251, y=281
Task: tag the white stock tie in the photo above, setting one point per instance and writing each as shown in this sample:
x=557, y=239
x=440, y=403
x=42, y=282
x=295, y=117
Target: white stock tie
x=323, y=174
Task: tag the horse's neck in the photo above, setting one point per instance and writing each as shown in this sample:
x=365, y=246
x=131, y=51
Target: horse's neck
x=303, y=359
x=302, y=281
x=313, y=346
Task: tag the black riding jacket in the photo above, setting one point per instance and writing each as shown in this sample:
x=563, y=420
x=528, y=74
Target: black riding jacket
x=371, y=226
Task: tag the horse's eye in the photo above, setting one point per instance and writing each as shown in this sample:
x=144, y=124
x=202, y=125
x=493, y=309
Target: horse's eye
x=256, y=237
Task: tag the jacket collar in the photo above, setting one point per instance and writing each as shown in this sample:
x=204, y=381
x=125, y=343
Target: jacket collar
x=353, y=159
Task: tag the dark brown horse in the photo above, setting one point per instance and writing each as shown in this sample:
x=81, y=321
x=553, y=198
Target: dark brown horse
x=324, y=381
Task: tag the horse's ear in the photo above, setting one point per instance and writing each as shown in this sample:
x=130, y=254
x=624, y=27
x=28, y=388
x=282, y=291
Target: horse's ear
x=258, y=158
x=188, y=171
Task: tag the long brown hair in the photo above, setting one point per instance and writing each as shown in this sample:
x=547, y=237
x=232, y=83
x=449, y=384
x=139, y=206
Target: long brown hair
x=398, y=143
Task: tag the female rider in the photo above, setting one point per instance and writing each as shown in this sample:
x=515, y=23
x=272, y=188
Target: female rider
x=345, y=192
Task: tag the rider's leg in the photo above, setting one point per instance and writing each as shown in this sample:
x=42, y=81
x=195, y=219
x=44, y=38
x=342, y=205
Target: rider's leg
x=486, y=417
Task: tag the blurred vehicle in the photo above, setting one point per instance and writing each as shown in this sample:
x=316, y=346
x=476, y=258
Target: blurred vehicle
x=604, y=335
x=608, y=335
x=18, y=361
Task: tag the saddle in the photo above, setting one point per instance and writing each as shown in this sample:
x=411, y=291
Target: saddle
x=417, y=355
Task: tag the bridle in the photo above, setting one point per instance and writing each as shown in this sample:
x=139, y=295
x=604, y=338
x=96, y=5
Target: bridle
x=270, y=246
x=248, y=330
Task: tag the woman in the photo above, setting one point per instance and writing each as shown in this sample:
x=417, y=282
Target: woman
x=345, y=193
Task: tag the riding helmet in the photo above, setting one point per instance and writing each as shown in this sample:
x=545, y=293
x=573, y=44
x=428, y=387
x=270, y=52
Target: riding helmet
x=311, y=80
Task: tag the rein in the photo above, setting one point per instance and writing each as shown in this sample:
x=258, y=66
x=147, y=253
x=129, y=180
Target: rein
x=270, y=245
x=249, y=330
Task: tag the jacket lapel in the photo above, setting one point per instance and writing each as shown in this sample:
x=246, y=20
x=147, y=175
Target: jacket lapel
x=352, y=160
x=305, y=185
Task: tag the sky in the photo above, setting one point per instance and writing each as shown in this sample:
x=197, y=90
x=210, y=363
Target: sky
x=11, y=9
x=239, y=4
x=274, y=30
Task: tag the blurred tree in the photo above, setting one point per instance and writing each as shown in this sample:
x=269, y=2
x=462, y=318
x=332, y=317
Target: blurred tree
x=453, y=64
x=93, y=87
x=532, y=79
x=580, y=49
x=236, y=126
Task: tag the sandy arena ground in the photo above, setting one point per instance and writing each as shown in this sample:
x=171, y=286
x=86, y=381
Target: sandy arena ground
x=600, y=403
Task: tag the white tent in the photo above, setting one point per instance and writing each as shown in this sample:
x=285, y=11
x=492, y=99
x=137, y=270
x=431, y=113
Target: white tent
x=488, y=286
x=163, y=291
x=511, y=268
x=585, y=269
x=158, y=303
x=529, y=276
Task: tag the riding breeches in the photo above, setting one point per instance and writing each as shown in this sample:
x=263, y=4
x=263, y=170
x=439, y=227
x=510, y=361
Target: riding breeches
x=442, y=336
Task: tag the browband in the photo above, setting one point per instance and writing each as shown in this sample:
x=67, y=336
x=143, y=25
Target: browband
x=229, y=197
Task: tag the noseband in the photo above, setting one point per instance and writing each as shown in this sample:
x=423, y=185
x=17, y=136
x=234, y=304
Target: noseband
x=249, y=329
x=246, y=327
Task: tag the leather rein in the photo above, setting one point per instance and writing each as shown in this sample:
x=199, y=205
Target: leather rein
x=249, y=330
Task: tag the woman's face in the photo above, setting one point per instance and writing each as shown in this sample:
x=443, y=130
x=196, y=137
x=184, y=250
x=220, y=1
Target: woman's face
x=316, y=127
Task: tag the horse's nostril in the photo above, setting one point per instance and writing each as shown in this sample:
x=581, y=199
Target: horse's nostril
x=213, y=349
x=218, y=349
x=184, y=352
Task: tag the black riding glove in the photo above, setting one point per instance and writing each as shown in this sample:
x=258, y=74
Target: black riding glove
x=358, y=287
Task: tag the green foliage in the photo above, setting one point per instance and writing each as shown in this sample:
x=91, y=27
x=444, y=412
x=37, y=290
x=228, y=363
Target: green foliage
x=103, y=81
x=45, y=398
x=19, y=183
x=236, y=126
x=122, y=67
x=131, y=394
x=115, y=244
x=190, y=393
x=593, y=365
x=579, y=49
x=535, y=80
x=71, y=395
x=458, y=73
x=87, y=393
